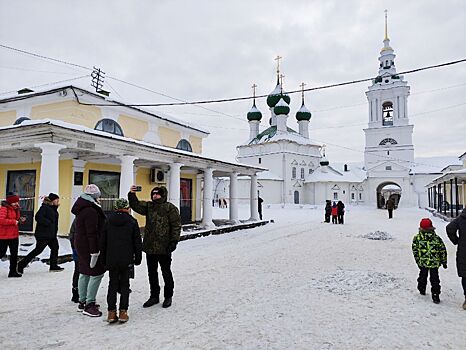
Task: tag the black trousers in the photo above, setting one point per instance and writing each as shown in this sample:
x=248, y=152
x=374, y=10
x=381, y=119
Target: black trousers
x=40, y=246
x=118, y=282
x=334, y=219
x=341, y=218
x=390, y=213
x=327, y=218
x=434, y=280
x=260, y=214
x=13, y=245
x=463, y=282
x=153, y=260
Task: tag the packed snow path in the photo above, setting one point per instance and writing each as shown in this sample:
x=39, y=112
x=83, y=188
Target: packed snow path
x=295, y=284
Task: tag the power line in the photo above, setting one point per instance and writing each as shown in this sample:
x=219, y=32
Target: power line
x=48, y=84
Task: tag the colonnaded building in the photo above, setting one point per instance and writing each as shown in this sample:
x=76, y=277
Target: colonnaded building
x=61, y=139
x=300, y=173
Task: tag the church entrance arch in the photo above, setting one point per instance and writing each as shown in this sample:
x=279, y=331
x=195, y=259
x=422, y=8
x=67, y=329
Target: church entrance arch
x=296, y=197
x=388, y=190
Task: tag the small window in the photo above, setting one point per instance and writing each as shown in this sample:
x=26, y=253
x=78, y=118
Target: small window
x=110, y=126
x=260, y=160
x=302, y=173
x=360, y=196
x=335, y=195
x=293, y=173
x=387, y=113
x=388, y=167
x=310, y=171
x=184, y=145
x=20, y=120
x=352, y=196
x=388, y=153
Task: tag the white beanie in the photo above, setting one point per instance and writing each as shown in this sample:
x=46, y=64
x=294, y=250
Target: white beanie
x=93, y=191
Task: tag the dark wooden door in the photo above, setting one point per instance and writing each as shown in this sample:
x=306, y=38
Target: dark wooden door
x=23, y=183
x=186, y=200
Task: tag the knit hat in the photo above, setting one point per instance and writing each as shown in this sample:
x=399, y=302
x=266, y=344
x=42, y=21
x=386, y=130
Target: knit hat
x=53, y=196
x=12, y=198
x=93, y=191
x=121, y=203
x=426, y=224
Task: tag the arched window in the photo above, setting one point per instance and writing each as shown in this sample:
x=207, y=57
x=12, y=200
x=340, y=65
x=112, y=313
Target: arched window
x=184, y=145
x=387, y=113
x=388, y=141
x=110, y=126
x=293, y=173
x=296, y=197
x=302, y=173
x=20, y=120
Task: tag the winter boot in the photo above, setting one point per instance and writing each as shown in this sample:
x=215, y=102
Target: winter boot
x=75, y=297
x=14, y=274
x=151, y=301
x=92, y=310
x=20, y=268
x=436, y=298
x=123, y=316
x=81, y=306
x=167, y=303
x=56, y=268
x=112, y=316
x=464, y=305
x=421, y=290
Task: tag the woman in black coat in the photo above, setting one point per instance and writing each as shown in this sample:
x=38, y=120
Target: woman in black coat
x=456, y=231
x=328, y=210
x=341, y=212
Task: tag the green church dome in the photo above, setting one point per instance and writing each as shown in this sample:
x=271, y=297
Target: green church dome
x=303, y=113
x=281, y=108
x=276, y=95
x=254, y=114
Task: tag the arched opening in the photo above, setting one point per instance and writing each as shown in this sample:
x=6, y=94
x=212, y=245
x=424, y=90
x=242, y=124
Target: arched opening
x=296, y=197
x=110, y=126
x=184, y=145
x=20, y=120
x=388, y=190
x=387, y=113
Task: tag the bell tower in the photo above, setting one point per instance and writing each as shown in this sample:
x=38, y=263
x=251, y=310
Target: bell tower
x=389, y=136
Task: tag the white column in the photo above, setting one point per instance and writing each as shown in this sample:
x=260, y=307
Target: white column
x=234, y=198
x=126, y=174
x=253, y=199
x=174, y=184
x=49, y=167
x=77, y=190
x=207, y=198
x=199, y=197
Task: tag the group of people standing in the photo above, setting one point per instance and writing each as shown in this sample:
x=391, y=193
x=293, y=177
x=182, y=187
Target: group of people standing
x=336, y=211
x=102, y=243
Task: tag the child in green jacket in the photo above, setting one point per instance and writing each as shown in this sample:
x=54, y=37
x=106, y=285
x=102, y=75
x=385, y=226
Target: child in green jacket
x=430, y=253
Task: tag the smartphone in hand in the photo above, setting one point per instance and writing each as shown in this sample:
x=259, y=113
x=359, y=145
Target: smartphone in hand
x=138, y=189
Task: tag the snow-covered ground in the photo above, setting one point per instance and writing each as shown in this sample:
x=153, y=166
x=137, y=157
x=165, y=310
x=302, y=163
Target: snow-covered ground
x=295, y=284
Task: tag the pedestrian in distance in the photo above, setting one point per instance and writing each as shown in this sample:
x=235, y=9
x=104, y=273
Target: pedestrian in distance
x=456, y=231
x=334, y=213
x=390, y=205
x=161, y=236
x=341, y=212
x=90, y=223
x=45, y=233
x=10, y=219
x=328, y=210
x=75, y=281
x=122, y=249
x=429, y=253
x=259, y=206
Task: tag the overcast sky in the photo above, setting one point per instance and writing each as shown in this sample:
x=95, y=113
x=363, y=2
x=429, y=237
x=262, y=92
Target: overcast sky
x=195, y=50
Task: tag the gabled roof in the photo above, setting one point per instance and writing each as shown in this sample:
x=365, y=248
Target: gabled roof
x=327, y=173
x=270, y=134
x=103, y=98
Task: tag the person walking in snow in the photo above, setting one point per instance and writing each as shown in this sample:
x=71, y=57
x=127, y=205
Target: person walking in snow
x=429, y=253
x=334, y=213
x=10, y=219
x=328, y=210
x=341, y=212
x=75, y=281
x=45, y=233
x=122, y=249
x=456, y=231
x=90, y=223
x=161, y=236
x=259, y=206
x=390, y=205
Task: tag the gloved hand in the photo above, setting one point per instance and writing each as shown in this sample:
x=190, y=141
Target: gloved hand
x=94, y=258
x=171, y=247
x=444, y=265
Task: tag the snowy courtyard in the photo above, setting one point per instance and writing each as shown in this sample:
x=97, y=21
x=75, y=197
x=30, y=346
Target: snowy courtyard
x=297, y=283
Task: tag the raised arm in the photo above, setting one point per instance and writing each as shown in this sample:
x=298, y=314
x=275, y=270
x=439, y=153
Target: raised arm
x=138, y=206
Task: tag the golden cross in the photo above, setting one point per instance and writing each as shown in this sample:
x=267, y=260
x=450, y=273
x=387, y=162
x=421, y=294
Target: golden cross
x=278, y=58
x=254, y=89
x=302, y=90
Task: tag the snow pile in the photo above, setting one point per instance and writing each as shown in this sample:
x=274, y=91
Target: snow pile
x=378, y=236
x=345, y=282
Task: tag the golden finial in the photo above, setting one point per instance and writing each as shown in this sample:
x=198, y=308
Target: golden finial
x=302, y=90
x=386, y=26
x=254, y=86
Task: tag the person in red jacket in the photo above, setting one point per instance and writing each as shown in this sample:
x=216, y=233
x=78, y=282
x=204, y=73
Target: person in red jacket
x=334, y=213
x=10, y=219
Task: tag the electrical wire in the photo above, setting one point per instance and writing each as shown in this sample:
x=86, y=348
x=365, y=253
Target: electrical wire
x=48, y=84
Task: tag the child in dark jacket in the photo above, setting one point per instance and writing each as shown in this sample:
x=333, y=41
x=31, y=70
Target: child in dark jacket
x=122, y=248
x=334, y=213
x=430, y=253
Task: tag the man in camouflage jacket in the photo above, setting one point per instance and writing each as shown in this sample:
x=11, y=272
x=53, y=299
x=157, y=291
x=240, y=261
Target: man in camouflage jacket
x=161, y=235
x=430, y=253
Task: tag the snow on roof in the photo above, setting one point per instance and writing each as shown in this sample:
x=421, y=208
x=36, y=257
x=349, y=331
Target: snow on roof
x=327, y=173
x=433, y=165
x=271, y=134
x=87, y=130
x=268, y=175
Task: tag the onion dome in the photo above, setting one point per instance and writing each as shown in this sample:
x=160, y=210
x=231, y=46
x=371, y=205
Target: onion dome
x=281, y=108
x=254, y=113
x=303, y=114
x=276, y=95
x=324, y=161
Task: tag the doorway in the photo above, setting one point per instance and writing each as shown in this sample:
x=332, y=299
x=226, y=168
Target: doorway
x=186, y=200
x=296, y=197
x=386, y=191
x=23, y=183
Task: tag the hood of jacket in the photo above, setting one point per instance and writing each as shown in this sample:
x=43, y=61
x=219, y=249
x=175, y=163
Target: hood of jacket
x=463, y=213
x=428, y=234
x=118, y=218
x=164, y=195
x=82, y=204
